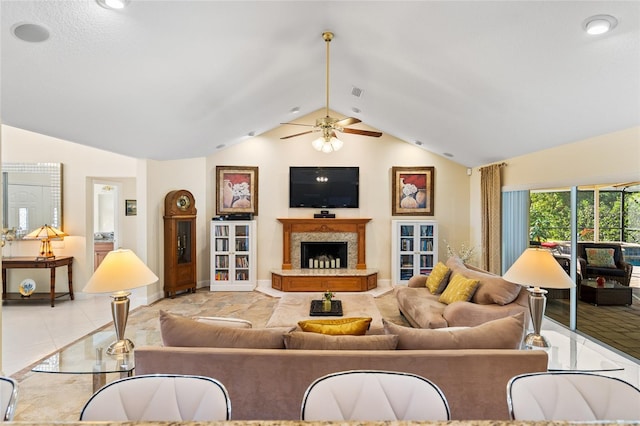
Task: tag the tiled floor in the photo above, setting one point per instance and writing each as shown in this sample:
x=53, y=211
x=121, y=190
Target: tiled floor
x=32, y=332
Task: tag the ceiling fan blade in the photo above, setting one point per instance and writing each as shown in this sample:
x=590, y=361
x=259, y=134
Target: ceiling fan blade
x=298, y=134
x=362, y=132
x=347, y=121
x=298, y=124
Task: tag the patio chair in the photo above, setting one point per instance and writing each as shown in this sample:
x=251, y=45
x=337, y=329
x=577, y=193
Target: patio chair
x=8, y=398
x=604, y=260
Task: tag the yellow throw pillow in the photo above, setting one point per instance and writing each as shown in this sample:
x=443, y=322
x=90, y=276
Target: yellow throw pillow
x=342, y=326
x=438, y=278
x=459, y=289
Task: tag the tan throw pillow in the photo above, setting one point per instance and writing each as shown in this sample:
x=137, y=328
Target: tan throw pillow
x=600, y=257
x=301, y=340
x=342, y=326
x=459, y=289
x=491, y=288
x=438, y=278
x=177, y=330
x=503, y=333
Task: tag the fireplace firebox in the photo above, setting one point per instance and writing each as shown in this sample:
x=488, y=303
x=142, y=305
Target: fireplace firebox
x=323, y=254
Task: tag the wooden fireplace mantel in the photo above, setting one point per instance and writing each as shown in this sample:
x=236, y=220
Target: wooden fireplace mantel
x=355, y=225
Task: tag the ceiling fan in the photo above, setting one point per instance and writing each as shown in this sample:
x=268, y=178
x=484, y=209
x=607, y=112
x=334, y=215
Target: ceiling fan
x=328, y=125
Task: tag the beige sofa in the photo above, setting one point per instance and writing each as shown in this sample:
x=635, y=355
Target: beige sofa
x=494, y=298
x=268, y=384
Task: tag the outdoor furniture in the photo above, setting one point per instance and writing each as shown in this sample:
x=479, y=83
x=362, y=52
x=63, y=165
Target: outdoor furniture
x=604, y=260
x=607, y=293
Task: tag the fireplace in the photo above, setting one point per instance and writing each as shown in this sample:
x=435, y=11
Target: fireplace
x=323, y=254
x=351, y=231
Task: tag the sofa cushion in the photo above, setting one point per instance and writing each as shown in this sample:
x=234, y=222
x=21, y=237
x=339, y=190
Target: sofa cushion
x=600, y=257
x=438, y=278
x=177, y=330
x=503, y=333
x=459, y=289
x=491, y=288
x=301, y=340
x=420, y=307
x=352, y=326
x=227, y=322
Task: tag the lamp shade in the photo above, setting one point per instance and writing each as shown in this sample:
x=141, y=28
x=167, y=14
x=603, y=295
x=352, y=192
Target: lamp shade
x=538, y=268
x=119, y=271
x=45, y=232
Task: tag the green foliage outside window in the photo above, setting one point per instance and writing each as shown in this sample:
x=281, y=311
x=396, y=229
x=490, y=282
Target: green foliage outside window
x=550, y=214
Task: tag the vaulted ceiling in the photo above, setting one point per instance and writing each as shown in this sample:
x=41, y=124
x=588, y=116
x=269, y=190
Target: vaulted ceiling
x=478, y=81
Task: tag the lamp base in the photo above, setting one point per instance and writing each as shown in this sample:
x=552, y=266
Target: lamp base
x=537, y=340
x=120, y=347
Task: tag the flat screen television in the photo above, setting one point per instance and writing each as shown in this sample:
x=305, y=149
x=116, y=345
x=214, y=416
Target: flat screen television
x=324, y=187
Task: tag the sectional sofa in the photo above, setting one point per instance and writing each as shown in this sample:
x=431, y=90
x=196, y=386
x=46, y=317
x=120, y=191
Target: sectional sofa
x=266, y=371
x=492, y=298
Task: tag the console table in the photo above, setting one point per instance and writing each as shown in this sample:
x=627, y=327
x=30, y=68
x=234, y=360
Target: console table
x=32, y=263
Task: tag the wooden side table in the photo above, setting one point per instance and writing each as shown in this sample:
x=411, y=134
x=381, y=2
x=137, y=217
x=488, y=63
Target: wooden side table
x=32, y=263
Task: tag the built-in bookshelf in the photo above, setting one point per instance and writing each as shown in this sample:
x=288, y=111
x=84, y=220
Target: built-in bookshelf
x=233, y=255
x=414, y=248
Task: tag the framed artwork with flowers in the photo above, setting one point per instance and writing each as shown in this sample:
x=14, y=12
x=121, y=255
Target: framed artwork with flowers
x=237, y=190
x=412, y=191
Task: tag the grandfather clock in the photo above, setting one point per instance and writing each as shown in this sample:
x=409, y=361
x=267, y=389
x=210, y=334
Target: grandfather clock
x=179, y=243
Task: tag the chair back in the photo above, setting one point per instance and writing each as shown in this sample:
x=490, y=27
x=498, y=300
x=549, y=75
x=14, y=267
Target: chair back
x=571, y=396
x=159, y=397
x=363, y=395
x=8, y=397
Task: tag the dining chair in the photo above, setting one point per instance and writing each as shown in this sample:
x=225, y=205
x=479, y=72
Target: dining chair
x=571, y=396
x=369, y=395
x=159, y=397
x=8, y=397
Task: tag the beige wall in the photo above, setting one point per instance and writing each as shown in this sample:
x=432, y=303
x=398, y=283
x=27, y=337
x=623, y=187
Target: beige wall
x=374, y=157
x=151, y=181
x=605, y=159
x=79, y=163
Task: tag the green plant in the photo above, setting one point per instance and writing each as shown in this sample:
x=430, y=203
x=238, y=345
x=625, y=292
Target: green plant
x=538, y=231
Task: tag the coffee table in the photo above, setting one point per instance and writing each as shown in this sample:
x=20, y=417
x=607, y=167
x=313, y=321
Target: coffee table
x=611, y=293
x=292, y=308
x=88, y=356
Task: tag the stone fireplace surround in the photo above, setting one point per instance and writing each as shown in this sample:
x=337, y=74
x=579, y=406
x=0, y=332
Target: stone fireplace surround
x=355, y=277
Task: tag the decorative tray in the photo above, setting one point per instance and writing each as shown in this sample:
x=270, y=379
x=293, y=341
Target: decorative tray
x=316, y=309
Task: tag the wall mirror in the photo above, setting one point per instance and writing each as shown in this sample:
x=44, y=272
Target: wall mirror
x=32, y=197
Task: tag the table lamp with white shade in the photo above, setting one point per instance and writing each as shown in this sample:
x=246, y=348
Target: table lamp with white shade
x=121, y=270
x=538, y=268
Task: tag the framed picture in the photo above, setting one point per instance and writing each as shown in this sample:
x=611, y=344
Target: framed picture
x=237, y=190
x=412, y=191
x=130, y=207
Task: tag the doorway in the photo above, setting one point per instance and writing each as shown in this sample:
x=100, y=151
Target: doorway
x=105, y=219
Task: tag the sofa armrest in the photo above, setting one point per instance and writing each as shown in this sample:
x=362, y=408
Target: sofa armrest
x=418, y=281
x=469, y=314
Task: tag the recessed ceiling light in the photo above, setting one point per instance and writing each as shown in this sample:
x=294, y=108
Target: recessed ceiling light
x=251, y=133
x=419, y=143
x=32, y=33
x=220, y=146
x=599, y=24
x=356, y=91
x=294, y=110
x=355, y=110
x=113, y=4
x=448, y=154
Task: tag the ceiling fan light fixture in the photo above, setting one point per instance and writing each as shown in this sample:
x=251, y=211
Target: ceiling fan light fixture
x=327, y=144
x=599, y=24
